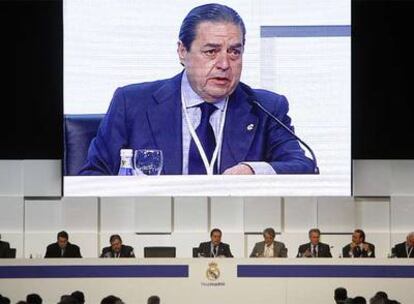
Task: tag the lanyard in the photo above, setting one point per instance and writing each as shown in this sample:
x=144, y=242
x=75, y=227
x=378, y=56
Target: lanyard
x=409, y=252
x=214, y=254
x=209, y=166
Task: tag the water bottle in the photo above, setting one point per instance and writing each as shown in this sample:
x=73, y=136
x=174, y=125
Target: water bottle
x=125, y=167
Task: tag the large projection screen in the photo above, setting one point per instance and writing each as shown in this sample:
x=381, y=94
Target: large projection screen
x=297, y=48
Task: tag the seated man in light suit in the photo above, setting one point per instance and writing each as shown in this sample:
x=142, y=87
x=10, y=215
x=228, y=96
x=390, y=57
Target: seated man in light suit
x=215, y=248
x=314, y=249
x=358, y=248
x=202, y=119
x=269, y=248
x=117, y=249
x=405, y=249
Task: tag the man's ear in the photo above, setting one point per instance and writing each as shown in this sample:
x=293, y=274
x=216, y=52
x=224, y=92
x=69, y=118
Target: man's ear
x=181, y=51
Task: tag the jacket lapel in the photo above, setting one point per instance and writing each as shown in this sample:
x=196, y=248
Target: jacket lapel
x=239, y=130
x=164, y=118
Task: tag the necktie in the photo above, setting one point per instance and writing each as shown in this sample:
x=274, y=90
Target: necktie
x=314, y=251
x=62, y=252
x=357, y=252
x=267, y=251
x=215, y=250
x=206, y=136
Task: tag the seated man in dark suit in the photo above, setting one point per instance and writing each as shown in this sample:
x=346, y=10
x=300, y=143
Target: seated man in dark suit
x=358, y=248
x=269, y=248
x=62, y=248
x=204, y=119
x=214, y=248
x=117, y=249
x=314, y=249
x=405, y=249
x=4, y=250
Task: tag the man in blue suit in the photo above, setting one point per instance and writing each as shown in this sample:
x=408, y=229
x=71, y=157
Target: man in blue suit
x=202, y=119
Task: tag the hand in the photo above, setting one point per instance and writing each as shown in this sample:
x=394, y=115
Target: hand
x=365, y=247
x=353, y=245
x=240, y=169
x=307, y=253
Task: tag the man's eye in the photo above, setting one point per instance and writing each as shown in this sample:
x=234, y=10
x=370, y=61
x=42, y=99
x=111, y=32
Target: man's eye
x=235, y=52
x=210, y=52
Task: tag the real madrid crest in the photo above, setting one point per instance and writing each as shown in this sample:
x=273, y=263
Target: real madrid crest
x=213, y=272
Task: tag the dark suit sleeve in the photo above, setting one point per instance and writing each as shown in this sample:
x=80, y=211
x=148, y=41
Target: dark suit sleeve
x=49, y=253
x=328, y=251
x=201, y=250
x=301, y=250
x=103, y=154
x=286, y=155
x=283, y=251
x=104, y=251
x=228, y=253
x=373, y=250
x=345, y=251
x=131, y=252
x=253, y=254
x=4, y=249
x=77, y=252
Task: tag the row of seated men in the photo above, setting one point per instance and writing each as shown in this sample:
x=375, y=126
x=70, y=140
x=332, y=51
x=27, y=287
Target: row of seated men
x=269, y=247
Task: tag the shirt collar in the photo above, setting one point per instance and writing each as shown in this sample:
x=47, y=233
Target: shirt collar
x=193, y=99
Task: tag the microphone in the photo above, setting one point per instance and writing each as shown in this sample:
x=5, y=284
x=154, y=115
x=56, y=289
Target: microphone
x=248, y=90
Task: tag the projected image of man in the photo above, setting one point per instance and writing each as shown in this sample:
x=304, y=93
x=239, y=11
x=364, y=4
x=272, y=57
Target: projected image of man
x=204, y=120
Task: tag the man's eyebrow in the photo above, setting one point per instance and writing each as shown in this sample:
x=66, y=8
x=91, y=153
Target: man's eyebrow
x=217, y=45
x=213, y=45
x=235, y=46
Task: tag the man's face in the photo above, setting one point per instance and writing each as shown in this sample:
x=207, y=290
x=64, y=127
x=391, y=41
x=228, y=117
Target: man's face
x=216, y=238
x=268, y=239
x=314, y=238
x=62, y=242
x=214, y=61
x=410, y=241
x=116, y=245
x=356, y=238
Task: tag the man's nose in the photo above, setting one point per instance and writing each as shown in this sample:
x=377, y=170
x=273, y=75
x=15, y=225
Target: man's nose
x=223, y=62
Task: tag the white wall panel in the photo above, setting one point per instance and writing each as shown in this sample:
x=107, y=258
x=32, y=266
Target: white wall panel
x=373, y=214
x=11, y=177
x=402, y=214
x=42, y=177
x=11, y=214
x=153, y=214
x=190, y=214
x=300, y=214
x=227, y=214
x=117, y=215
x=43, y=216
x=402, y=177
x=262, y=212
x=80, y=214
x=336, y=214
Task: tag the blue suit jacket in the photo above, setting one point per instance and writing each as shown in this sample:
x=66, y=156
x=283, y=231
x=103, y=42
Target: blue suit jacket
x=149, y=116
